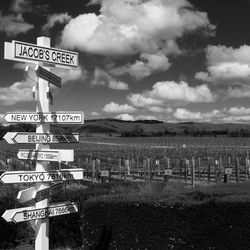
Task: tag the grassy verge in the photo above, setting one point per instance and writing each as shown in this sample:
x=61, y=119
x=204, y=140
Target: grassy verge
x=148, y=215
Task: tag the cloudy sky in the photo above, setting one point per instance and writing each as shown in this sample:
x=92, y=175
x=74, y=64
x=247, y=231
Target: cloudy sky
x=171, y=60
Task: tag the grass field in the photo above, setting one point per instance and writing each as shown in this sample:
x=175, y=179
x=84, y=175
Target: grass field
x=144, y=215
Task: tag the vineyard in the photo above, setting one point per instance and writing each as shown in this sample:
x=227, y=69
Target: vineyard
x=201, y=160
x=138, y=193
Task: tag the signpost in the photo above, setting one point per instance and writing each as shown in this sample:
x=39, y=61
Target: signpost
x=46, y=155
x=31, y=213
x=40, y=138
x=44, y=57
x=39, y=155
x=48, y=76
x=32, y=194
x=16, y=177
x=47, y=117
x=34, y=53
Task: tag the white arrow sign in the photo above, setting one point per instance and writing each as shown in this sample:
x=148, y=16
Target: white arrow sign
x=26, y=195
x=8, y=137
x=32, y=53
x=46, y=155
x=40, y=138
x=33, y=176
x=31, y=213
x=8, y=214
x=48, y=76
x=39, y=195
x=38, y=155
x=46, y=117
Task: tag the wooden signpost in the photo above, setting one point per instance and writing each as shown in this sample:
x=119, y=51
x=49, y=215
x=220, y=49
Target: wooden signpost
x=47, y=182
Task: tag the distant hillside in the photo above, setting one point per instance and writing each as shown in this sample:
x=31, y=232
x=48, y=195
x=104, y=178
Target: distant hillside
x=158, y=128
x=114, y=127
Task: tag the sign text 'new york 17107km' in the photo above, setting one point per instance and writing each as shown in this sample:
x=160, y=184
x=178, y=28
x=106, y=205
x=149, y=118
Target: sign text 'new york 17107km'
x=47, y=182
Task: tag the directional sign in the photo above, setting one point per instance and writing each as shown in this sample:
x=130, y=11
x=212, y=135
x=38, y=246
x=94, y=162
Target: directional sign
x=48, y=76
x=49, y=176
x=32, y=213
x=32, y=53
x=46, y=117
x=40, y=138
x=26, y=195
x=39, y=195
x=39, y=155
x=46, y=155
x=8, y=137
x=51, y=191
x=8, y=214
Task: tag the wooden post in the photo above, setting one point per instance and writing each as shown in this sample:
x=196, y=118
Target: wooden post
x=93, y=170
x=237, y=169
x=247, y=166
x=149, y=168
x=120, y=167
x=125, y=170
x=145, y=168
x=193, y=172
x=180, y=161
x=186, y=170
x=199, y=168
x=42, y=225
x=208, y=170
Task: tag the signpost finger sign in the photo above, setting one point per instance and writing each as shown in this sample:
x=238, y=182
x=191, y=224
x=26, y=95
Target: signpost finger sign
x=44, y=57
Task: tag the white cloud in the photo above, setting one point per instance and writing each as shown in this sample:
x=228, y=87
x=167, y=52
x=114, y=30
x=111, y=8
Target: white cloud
x=94, y=113
x=225, y=115
x=169, y=92
x=128, y=26
x=226, y=64
x=116, y=108
x=71, y=74
x=157, y=109
x=140, y=101
x=187, y=115
x=17, y=92
x=13, y=25
x=125, y=117
x=148, y=64
x=239, y=111
x=236, y=119
x=118, y=85
x=145, y=117
x=54, y=19
x=238, y=92
x=184, y=114
x=102, y=78
x=94, y=2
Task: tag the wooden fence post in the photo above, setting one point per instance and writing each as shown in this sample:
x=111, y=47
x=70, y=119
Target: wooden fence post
x=209, y=170
x=246, y=167
x=237, y=169
x=199, y=168
x=93, y=170
x=193, y=172
x=145, y=168
x=120, y=167
x=186, y=170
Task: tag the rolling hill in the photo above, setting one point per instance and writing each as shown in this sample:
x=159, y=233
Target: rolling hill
x=114, y=127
